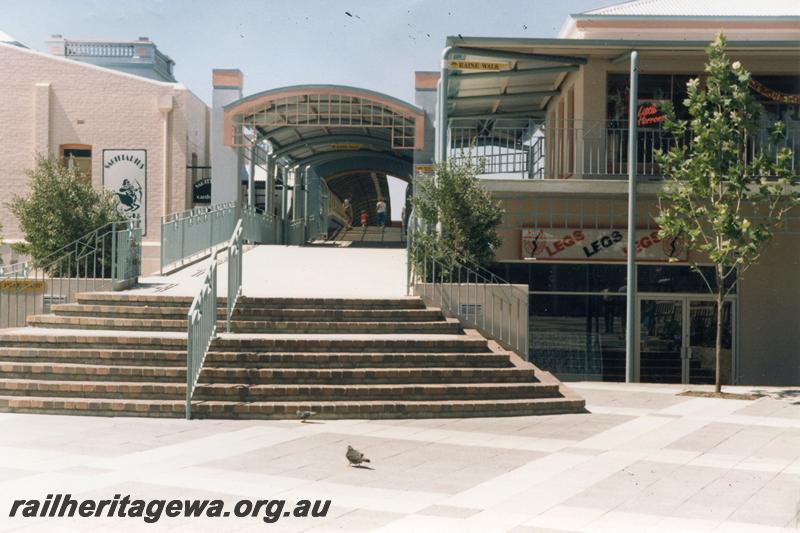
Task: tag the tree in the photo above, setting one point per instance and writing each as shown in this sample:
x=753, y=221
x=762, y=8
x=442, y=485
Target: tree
x=726, y=193
x=61, y=207
x=467, y=212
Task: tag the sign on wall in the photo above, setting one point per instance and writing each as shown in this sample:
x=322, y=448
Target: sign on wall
x=201, y=192
x=571, y=244
x=477, y=65
x=125, y=175
x=650, y=114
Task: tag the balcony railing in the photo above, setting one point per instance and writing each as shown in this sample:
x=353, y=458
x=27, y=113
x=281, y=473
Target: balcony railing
x=585, y=149
x=92, y=49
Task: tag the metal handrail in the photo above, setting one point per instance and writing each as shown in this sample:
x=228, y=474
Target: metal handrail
x=202, y=315
x=106, y=258
x=258, y=226
x=463, y=290
x=585, y=148
x=234, y=272
x=194, y=233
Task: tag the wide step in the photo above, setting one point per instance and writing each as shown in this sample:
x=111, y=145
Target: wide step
x=283, y=410
x=125, y=298
x=448, y=326
x=157, y=312
x=420, y=392
x=370, y=376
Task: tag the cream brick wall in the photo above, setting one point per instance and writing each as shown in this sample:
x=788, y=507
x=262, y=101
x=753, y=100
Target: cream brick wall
x=49, y=101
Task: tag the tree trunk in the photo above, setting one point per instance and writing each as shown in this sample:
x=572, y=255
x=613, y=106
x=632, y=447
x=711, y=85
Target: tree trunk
x=718, y=344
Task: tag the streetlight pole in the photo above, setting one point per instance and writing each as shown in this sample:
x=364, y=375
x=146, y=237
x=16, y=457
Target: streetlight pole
x=630, y=308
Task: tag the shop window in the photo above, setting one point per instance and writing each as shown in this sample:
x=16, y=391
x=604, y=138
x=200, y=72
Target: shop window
x=80, y=156
x=578, y=337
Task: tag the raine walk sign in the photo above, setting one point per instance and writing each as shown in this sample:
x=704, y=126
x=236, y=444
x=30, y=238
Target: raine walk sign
x=573, y=244
x=125, y=175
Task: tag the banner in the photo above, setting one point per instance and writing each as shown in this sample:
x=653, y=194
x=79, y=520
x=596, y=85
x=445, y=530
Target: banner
x=571, y=244
x=125, y=175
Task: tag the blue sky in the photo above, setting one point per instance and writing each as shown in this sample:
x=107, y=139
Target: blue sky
x=279, y=42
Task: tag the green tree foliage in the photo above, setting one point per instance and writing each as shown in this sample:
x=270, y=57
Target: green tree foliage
x=61, y=207
x=468, y=214
x=726, y=192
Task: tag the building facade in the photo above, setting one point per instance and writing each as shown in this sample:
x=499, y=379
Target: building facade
x=115, y=125
x=549, y=119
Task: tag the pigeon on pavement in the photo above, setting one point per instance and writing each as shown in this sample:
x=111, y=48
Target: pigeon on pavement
x=305, y=415
x=355, y=457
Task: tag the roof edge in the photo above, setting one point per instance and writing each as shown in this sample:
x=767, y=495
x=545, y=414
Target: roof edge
x=611, y=43
x=321, y=87
x=80, y=64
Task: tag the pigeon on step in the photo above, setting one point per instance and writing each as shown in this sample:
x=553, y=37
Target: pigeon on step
x=355, y=457
x=305, y=415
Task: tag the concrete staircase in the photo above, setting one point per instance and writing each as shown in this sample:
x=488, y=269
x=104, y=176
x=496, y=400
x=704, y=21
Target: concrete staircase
x=370, y=237
x=125, y=354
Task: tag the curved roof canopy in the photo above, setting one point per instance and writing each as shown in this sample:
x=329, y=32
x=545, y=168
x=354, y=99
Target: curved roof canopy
x=326, y=124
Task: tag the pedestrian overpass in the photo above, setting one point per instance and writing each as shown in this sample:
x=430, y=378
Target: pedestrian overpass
x=311, y=146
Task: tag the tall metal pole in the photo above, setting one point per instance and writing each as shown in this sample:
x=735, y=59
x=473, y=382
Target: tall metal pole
x=630, y=308
x=441, y=120
x=251, y=179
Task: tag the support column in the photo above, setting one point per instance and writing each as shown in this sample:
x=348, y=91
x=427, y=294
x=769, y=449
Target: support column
x=226, y=164
x=251, y=178
x=269, y=189
x=630, y=310
x=165, y=105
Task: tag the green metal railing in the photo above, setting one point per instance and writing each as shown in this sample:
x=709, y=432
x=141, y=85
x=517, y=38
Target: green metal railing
x=108, y=258
x=202, y=316
x=297, y=232
x=191, y=234
x=258, y=227
x=463, y=289
x=235, y=261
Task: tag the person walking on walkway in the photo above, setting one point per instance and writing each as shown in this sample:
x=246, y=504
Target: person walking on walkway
x=348, y=209
x=381, y=209
x=364, y=219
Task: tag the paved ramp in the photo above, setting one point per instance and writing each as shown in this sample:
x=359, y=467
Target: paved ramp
x=281, y=271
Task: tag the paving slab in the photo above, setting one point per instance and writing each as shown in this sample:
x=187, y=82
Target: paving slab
x=672, y=464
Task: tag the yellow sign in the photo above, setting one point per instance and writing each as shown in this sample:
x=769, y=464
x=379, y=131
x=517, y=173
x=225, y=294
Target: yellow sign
x=21, y=285
x=424, y=169
x=477, y=65
x=346, y=147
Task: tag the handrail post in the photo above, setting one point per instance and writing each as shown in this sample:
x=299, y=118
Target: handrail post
x=189, y=370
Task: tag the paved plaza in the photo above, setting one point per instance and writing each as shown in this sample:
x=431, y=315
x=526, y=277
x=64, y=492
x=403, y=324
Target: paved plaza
x=299, y=272
x=643, y=459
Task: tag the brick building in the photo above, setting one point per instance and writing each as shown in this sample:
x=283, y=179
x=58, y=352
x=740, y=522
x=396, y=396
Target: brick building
x=104, y=117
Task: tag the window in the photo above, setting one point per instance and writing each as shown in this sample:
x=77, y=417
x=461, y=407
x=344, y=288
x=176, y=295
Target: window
x=578, y=337
x=80, y=156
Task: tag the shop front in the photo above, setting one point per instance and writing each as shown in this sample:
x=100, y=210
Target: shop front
x=566, y=241
x=577, y=321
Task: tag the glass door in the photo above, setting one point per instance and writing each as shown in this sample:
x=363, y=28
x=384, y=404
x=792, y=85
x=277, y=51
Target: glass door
x=701, y=358
x=661, y=334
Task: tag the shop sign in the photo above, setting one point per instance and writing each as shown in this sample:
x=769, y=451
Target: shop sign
x=346, y=146
x=424, y=169
x=650, y=113
x=21, y=285
x=201, y=192
x=125, y=175
x=570, y=244
x=477, y=65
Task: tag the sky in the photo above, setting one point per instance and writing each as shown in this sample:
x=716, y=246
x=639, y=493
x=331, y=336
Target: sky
x=280, y=42
x=373, y=44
